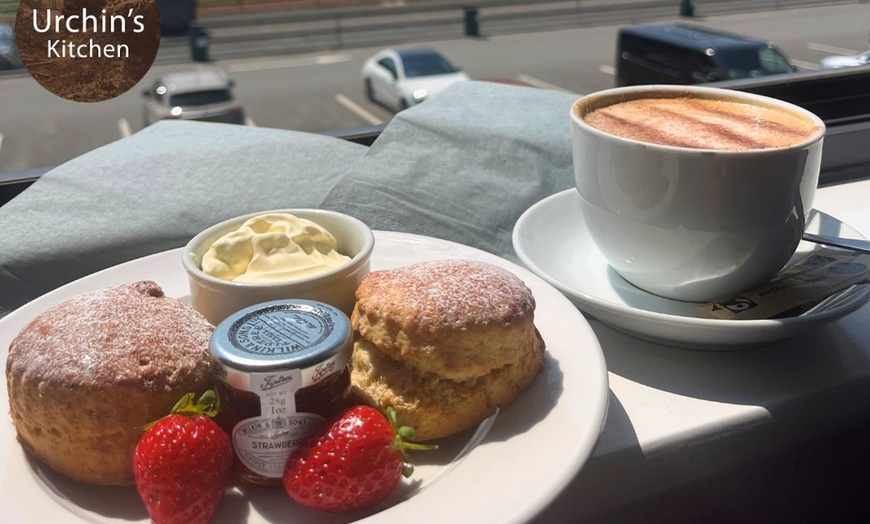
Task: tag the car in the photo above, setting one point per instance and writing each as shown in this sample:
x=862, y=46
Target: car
x=401, y=78
x=204, y=94
x=676, y=53
x=840, y=61
x=9, y=57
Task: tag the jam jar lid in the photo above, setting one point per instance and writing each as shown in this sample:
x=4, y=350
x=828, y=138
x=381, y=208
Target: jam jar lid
x=311, y=336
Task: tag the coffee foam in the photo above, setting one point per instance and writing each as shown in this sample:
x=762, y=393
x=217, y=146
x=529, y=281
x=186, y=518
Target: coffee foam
x=702, y=123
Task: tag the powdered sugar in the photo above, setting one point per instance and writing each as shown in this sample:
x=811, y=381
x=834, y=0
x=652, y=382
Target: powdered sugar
x=127, y=335
x=448, y=293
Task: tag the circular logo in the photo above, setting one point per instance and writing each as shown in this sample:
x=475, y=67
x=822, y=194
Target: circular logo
x=88, y=50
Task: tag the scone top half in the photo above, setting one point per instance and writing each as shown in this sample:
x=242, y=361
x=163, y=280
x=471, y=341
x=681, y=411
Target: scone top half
x=459, y=319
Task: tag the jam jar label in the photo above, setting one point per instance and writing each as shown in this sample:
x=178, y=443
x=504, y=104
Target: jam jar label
x=263, y=443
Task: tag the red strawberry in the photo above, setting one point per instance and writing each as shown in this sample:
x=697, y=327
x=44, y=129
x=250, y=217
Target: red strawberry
x=182, y=463
x=352, y=461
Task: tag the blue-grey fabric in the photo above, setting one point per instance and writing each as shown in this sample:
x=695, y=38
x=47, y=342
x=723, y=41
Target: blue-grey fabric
x=462, y=166
x=154, y=191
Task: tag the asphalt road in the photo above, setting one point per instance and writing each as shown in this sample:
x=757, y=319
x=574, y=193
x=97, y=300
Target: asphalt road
x=320, y=92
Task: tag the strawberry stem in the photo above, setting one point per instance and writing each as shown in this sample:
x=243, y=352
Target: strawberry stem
x=208, y=405
x=400, y=443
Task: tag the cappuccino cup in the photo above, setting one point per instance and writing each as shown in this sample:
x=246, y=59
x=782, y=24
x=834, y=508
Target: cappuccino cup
x=694, y=193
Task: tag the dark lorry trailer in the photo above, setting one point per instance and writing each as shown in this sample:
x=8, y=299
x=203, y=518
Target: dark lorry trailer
x=686, y=54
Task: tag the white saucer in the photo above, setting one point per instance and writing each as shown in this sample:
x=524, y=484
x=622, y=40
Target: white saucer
x=551, y=239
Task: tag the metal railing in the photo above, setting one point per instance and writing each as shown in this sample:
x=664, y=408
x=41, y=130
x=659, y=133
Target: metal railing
x=494, y=16
x=310, y=26
x=323, y=29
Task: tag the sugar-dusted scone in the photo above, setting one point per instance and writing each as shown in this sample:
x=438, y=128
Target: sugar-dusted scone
x=446, y=343
x=85, y=375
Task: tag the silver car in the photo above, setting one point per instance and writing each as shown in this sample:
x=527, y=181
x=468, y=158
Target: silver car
x=401, y=78
x=203, y=94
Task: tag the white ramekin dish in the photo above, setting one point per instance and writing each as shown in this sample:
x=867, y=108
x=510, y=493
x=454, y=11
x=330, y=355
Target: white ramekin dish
x=217, y=298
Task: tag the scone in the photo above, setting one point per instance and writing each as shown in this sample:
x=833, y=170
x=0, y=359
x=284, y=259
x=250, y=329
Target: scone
x=446, y=343
x=85, y=375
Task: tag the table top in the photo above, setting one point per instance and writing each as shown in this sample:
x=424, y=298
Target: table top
x=668, y=404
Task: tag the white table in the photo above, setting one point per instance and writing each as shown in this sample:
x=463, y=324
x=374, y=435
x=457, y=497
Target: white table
x=679, y=418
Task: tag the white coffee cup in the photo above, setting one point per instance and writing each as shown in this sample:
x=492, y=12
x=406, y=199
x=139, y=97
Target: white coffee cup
x=687, y=223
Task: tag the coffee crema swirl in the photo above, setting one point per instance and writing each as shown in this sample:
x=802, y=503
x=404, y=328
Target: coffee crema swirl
x=702, y=123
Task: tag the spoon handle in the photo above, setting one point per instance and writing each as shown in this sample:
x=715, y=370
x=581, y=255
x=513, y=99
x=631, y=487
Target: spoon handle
x=846, y=243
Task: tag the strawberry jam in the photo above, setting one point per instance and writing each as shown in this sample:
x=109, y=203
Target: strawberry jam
x=282, y=369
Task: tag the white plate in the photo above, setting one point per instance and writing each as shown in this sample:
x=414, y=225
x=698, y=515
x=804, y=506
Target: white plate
x=551, y=239
x=529, y=454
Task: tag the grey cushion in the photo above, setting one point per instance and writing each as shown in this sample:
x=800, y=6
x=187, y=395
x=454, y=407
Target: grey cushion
x=154, y=191
x=464, y=165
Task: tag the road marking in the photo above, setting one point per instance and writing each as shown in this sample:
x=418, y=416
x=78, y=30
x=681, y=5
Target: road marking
x=235, y=67
x=532, y=81
x=804, y=65
x=355, y=108
x=250, y=121
x=1, y=140
x=124, y=127
x=831, y=49
x=607, y=69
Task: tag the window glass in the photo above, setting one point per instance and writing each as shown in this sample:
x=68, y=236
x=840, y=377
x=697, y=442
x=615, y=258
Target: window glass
x=201, y=98
x=389, y=65
x=703, y=68
x=426, y=65
x=636, y=46
x=752, y=63
x=772, y=61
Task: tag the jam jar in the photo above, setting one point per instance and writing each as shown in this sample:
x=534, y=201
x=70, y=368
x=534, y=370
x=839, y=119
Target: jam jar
x=282, y=369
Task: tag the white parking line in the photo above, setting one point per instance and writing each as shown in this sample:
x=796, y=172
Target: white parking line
x=804, y=65
x=124, y=127
x=281, y=63
x=532, y=81
x=831, y=49
x=355, y=108
x=607, y=69
x=250, y=121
